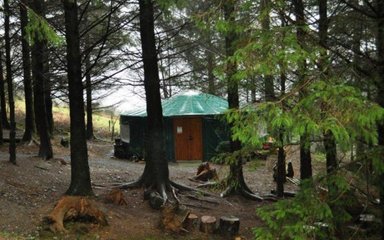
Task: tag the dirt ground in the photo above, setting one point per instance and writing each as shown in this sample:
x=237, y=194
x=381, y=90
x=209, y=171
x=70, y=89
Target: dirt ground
x=29, y=191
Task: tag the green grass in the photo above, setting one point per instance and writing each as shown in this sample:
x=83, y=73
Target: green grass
x=101, y=120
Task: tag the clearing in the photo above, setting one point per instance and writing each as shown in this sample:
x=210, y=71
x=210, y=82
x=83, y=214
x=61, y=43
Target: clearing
x=29, y=191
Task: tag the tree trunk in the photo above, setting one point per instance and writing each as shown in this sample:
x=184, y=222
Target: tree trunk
x=235, y=181
x=80, y=175
x=4, y=119
x=305, y=145
x=88, y=89
x=380, y=95
x=8, y=66
x=281, y=178
x=45, y=148
x=30, y=127
x=269, y=91
x=156, y=173
x=48, y=93
x=1, y=98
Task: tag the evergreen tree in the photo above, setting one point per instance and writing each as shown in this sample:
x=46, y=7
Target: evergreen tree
x=80, y=175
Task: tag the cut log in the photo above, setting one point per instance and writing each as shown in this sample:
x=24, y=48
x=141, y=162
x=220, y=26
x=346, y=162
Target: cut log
x=229, y=226
x=191, y=222
x=208, y=224
x=72, y=208
x=116, y=196
x=173, y=217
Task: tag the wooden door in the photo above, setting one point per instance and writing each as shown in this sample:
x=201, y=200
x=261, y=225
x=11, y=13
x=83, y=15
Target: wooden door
x=188, y=140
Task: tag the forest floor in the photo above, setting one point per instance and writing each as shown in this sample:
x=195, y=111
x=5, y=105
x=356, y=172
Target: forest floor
x=30, y=189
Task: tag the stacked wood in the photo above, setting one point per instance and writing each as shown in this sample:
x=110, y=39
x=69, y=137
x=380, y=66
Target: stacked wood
x=208, y=224
x=72, y=208
x=229, y=226
x=116, y=196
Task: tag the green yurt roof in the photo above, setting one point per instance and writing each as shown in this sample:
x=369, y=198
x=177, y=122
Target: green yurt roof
x=186, y=103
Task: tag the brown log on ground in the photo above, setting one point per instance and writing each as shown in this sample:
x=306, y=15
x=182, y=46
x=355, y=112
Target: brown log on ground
x=191, y=222
x=72, y=208
x=229, y=226
x=208, y=224
x=173, y=217
x=116, y=196
x=205, y=172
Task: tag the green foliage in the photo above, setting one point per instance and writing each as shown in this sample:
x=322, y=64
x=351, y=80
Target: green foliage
x=338, y=108
x=38, y=29
x=310, y=215
x=297, y=218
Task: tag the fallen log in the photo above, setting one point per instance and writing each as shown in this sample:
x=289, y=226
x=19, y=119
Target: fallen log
x=73, y=208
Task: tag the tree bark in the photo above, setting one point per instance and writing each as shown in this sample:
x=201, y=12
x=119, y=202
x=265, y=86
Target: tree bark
x=45, y=148
x=269, y=89
x=88, y=89
x=8, y=66
x=4, y=119
x=80, y=175
x=156, y=173
x=380, y=94
x=305, y=145
x=30, y=127
x=1, y=96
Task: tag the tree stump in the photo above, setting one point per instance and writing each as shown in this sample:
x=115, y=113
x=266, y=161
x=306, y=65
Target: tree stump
x=173, y=217
x=208, y=224
x=116, y=196
x=72, y=208
x=191, y=222
x=229, y=226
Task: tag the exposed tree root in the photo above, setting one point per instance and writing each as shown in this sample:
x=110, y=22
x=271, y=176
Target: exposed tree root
x=72, y=208
x=135, y=184
x=242, y=191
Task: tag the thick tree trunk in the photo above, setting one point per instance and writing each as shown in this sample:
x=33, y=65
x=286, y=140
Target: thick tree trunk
x=380, y=94
x=45, y=148
x=8, y=66
x=156, y=173
x=80, y=175
x=30, y=127
x=305, y=145
x=235, y=181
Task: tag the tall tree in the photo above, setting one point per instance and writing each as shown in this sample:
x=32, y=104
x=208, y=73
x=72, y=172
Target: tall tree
x=305, y=145
x=269, y=91
x=11, y=102
x=80, y=175
x=235, y=180
x=380, y=93
x=3, y=112
x=30, y=127
x=156, y=173
x=45, y=147
x=1, y=93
